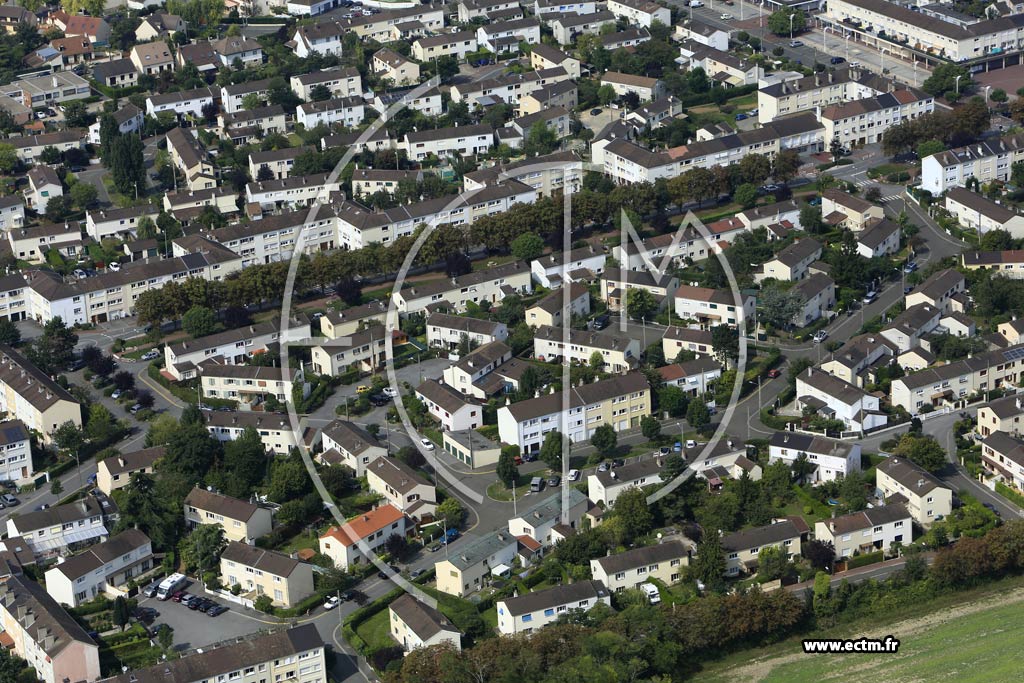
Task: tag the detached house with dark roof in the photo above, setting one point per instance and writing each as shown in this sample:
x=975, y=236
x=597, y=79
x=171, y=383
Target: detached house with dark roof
x=283, y=579
x=619, y=353
x=900, y=480
x=525, y=614
x=664, y=562
x=831, y=458
x=832, y=397
x=402, y=487
x=241, y=520
x=743, y=547
x=873, y=529
x=346, y=443
x=415, y=624
x=116, y=472
x=102, y=569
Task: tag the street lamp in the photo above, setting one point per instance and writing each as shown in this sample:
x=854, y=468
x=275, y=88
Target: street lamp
x=792, y=16
x=987, y=88
x=957, y=81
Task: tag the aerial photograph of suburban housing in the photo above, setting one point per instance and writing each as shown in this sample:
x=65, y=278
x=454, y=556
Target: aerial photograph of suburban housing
x=511, y=341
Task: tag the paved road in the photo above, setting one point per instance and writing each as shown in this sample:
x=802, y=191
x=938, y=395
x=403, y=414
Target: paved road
x=879, y=571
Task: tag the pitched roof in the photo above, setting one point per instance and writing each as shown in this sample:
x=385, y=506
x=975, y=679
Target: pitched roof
x=910, y=474
x=643, y=556
x=98, y=555
x=397, y=474
x=269, y=561
x=867, y=519
x=760, y=536
x=46, y=622
x=565, y=594
x=579, y=396
x=211, y=501
x=364, y=525
x=422, y=619
x=136, y=460
x=29, y=382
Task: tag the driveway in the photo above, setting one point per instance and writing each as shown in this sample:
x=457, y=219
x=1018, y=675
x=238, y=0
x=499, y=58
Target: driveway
x=194, y=629
x=94, y=176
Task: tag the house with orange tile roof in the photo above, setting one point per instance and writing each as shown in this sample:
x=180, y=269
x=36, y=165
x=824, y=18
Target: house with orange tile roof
x=341, y=544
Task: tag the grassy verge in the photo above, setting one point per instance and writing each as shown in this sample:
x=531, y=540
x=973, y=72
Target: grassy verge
x=374, y=631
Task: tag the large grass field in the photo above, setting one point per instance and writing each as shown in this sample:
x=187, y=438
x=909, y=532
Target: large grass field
x=965, y=643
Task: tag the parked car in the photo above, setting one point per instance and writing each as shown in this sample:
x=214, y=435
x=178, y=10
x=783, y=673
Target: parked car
x=741, y=117
x=216, y=610
x=554, y=480
x=135, y=408
x=9, y=500
x=600, y=322
x=870, y=296
x=390, y=392
x=574, y=475
x=796, y=43
x=618, y=462
x=362, y=389
x=332, y=602
x=725, y=16
x=603, y=467
x=379, y=400
x=179, y=596
x=596, y=112
x=117, y=394
x=837, y=60
x=150, y=590
x=114, y=266
x=820, y=336
x=151, y=354
x=774, y=372
x=427, y=443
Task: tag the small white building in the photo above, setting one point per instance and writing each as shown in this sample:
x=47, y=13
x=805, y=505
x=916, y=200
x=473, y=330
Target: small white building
x=834, y=398
x=415, y=624
x=101, y=569
x=833, y=459
x=900, y=480
x=525, y=614
x=375, y=527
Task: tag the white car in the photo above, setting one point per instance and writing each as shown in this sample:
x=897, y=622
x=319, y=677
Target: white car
x=332, y=602
x=427, y=443
x=725, y=17
x=151, y=354
x=820, y=336
x=652, y=592
x=574, y=475
x=114, y=266
x=79, y=273
x=116, y=395
x=390, y=391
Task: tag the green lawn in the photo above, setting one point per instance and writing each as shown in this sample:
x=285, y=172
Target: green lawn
x=375, y=631
x=978, y=647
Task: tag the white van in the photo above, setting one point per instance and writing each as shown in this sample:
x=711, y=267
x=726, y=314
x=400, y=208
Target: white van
x=696, y=3
x=652, y=592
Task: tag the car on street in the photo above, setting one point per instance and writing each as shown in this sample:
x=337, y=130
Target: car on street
x=991, y=508
x=870, y=296
x=554, y=481
x=332, y=602
x=390, y=392
x=362, y=389
x=908, y=289
x=725, y=16
x=774, y=372
x=116, y=395
x=837, y=60
x=384, y=575
x=910, y=267
x=820, y=336
x=796, y=43
x=9, y=500
x=770, y=188
x=741, y=117
x=216, y=610
x=348, y=596
x=41, y=507
x=427, y=443
x=574, y=475
x=416, y=573
x=135, y=408
x=150, y=355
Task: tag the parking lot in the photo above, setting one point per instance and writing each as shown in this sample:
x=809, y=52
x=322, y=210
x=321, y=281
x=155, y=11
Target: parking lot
x=194, y=629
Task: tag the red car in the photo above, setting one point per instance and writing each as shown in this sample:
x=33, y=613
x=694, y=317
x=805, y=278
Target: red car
x=178, y=596
x=773, y=373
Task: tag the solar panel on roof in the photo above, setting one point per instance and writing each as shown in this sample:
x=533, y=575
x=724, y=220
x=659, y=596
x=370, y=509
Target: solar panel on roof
x=1013, y=354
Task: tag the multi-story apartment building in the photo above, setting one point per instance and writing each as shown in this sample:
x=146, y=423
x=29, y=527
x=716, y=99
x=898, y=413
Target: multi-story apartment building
x=847, y=211
x=550, y=270
x=444, y=142
x=471, y=374
x=117, y=222
x=458, y=44
x=15, y=452
x=864, y=121
x=283, y=579
x=44, y=635
x=616, y=284
x=742, y=548
x=926, y=498
x=640, y=12
x=664, y=562
x=274, y=238
x=374, y=528
x=101, y=569
x=545, y=174
x=28, y=394
x=347, y=111
x=620, y=402
x=891, y=26
x=1003, y=456
x=274, y=429
x=986, y=160
x=547, y=522
x=116, y=472
x=292, y=192
x=873, y=529
x=620, y=354
x=341, y=82
x=346, y=443
x=528, y=613
x=956, y=381
x=29, y=148
x=454, y=410
x=567, y=27
x=708, y=308
x=504, y=37
x=553, y=310
x=233, y=346
x=294, y=654
x=489, y=285
x=241, y=520
x=832, y=459
x=250, y=385
x=184, y=103
x=63, y=528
